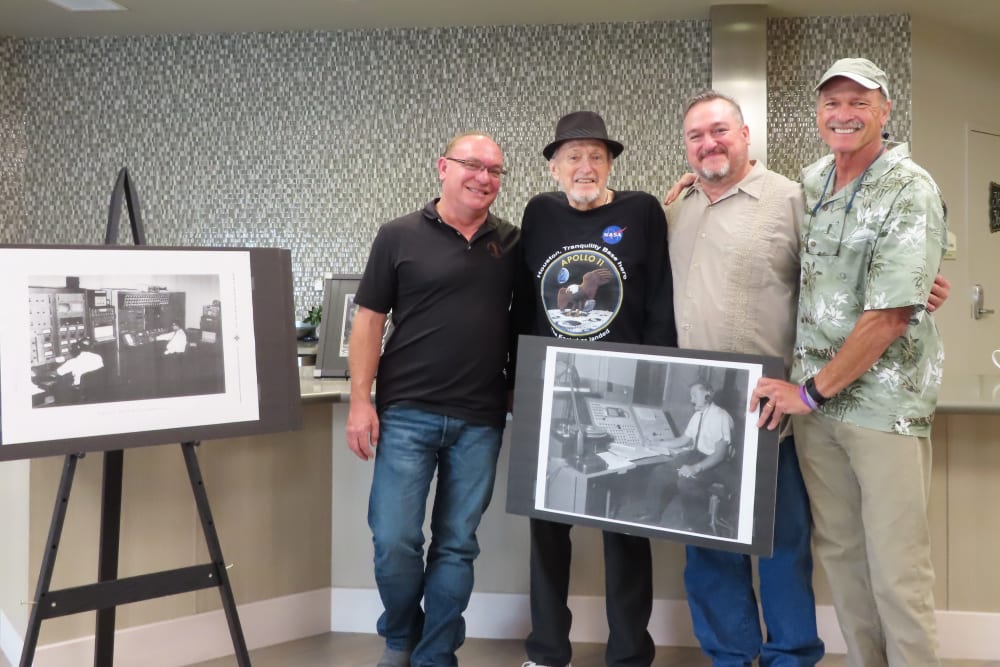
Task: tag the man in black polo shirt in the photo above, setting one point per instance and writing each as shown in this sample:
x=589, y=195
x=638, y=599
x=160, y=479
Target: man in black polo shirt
x=445, y=273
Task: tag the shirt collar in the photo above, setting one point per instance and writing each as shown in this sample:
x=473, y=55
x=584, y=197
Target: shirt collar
x=890, y=157
x=893, y=154
x=752, y=184
x=431, y=214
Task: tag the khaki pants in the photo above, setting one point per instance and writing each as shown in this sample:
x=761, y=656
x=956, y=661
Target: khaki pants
x=868, y=492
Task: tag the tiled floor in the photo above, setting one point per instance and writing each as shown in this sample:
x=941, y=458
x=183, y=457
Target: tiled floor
x=362, y=650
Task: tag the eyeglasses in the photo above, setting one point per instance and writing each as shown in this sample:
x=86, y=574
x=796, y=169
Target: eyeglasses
x=476, y=165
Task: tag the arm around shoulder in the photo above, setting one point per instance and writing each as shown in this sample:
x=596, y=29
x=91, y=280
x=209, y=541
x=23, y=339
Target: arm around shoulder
x=659, y=328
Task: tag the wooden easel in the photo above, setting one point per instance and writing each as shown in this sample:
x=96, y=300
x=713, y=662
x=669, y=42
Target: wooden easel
x=110, y=591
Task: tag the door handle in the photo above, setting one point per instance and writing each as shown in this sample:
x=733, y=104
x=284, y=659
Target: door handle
x=978, y=298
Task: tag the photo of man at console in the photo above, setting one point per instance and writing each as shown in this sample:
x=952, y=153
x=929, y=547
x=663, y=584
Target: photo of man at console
x=106, y=339
x=656, y=443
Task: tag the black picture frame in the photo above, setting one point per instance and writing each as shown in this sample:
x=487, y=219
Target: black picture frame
x=335, y=328
x=591, y=425
x=236, y=310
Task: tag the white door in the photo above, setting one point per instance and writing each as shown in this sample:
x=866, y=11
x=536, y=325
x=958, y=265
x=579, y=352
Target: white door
x=982, y=170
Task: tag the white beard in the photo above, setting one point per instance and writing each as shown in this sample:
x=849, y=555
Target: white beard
x=715, y=174
x=583, y=200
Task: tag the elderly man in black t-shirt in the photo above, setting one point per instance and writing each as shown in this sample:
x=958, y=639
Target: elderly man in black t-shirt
x=445, y=275
x=594, y=267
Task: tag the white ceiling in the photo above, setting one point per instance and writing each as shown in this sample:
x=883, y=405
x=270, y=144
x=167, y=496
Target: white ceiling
x=39, y=18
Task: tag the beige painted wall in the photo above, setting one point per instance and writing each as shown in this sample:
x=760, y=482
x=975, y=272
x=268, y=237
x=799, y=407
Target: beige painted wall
x=278, y=513
x=270, y=498
x=956, y=84
x=14, y=577
x=503, y=565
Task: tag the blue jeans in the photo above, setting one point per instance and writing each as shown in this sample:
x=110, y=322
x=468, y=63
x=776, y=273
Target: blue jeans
x=412, y=445
x=721, y=596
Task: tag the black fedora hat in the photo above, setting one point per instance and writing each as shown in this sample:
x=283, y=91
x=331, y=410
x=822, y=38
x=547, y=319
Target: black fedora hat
x=582, y=125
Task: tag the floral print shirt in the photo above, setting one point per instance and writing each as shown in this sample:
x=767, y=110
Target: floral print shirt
x=876, y=244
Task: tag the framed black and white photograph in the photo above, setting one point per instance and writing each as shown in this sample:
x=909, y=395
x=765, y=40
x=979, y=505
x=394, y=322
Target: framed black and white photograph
x=335, y=328
x=346, y=320
x=98, y=342
x=643, y=440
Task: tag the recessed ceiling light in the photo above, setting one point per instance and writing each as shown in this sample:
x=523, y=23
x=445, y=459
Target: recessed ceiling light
x=89, y=5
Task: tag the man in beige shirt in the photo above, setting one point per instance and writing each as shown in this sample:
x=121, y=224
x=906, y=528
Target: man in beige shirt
x=734, y=252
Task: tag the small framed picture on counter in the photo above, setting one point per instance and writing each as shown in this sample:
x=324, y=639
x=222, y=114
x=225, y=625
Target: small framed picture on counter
x=335, y=328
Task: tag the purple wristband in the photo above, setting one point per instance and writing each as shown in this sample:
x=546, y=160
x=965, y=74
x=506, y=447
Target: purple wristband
x=806, y=398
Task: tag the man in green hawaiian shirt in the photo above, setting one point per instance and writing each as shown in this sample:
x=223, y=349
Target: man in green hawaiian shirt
x=867, y=369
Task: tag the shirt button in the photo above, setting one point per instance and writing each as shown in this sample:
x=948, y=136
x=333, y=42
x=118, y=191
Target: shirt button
x=843, y=276
x=686, y=327
x=812, y=243
x=703, y=235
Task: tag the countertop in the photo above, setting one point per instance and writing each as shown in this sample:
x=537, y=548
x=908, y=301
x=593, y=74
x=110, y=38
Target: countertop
x=319, y=390
x=971, y=394
x=979, y=394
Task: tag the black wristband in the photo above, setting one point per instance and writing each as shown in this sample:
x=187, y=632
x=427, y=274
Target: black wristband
x=813, y=392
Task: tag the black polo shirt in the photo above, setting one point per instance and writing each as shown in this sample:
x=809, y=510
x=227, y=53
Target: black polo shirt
x=450, y=307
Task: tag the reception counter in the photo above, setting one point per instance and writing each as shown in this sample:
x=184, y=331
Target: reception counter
x=291, y=516
x=966, y=539
x=970, y=394
x=964, y=394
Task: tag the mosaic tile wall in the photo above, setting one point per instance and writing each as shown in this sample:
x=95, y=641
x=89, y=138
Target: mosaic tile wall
x=309, y=141
x=800, y=50
x=13, y=141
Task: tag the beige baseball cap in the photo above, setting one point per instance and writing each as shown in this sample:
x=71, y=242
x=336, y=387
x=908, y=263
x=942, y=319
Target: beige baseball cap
x=859, y=70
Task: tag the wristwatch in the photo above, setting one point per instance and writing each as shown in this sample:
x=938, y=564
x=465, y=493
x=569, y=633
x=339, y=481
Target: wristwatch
x=813, y=392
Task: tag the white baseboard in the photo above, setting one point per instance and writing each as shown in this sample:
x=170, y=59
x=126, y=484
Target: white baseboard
x=10, y=640
x=962, y=635
x=507, y=616
x=201, y=637
x=969, y=635
x=196, y=638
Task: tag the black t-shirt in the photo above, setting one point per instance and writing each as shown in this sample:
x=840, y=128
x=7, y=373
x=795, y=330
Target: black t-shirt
x=450, y=302
x=601, y=274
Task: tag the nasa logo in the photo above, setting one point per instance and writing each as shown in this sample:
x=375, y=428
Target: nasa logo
x=613, y=234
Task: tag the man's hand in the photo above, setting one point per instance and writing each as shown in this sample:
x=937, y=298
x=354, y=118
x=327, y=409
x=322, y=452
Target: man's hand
x=686, y=181
x=687, y=471
x=782, y=399
x=939, y=293
x=362, y=429
x=365, y=345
